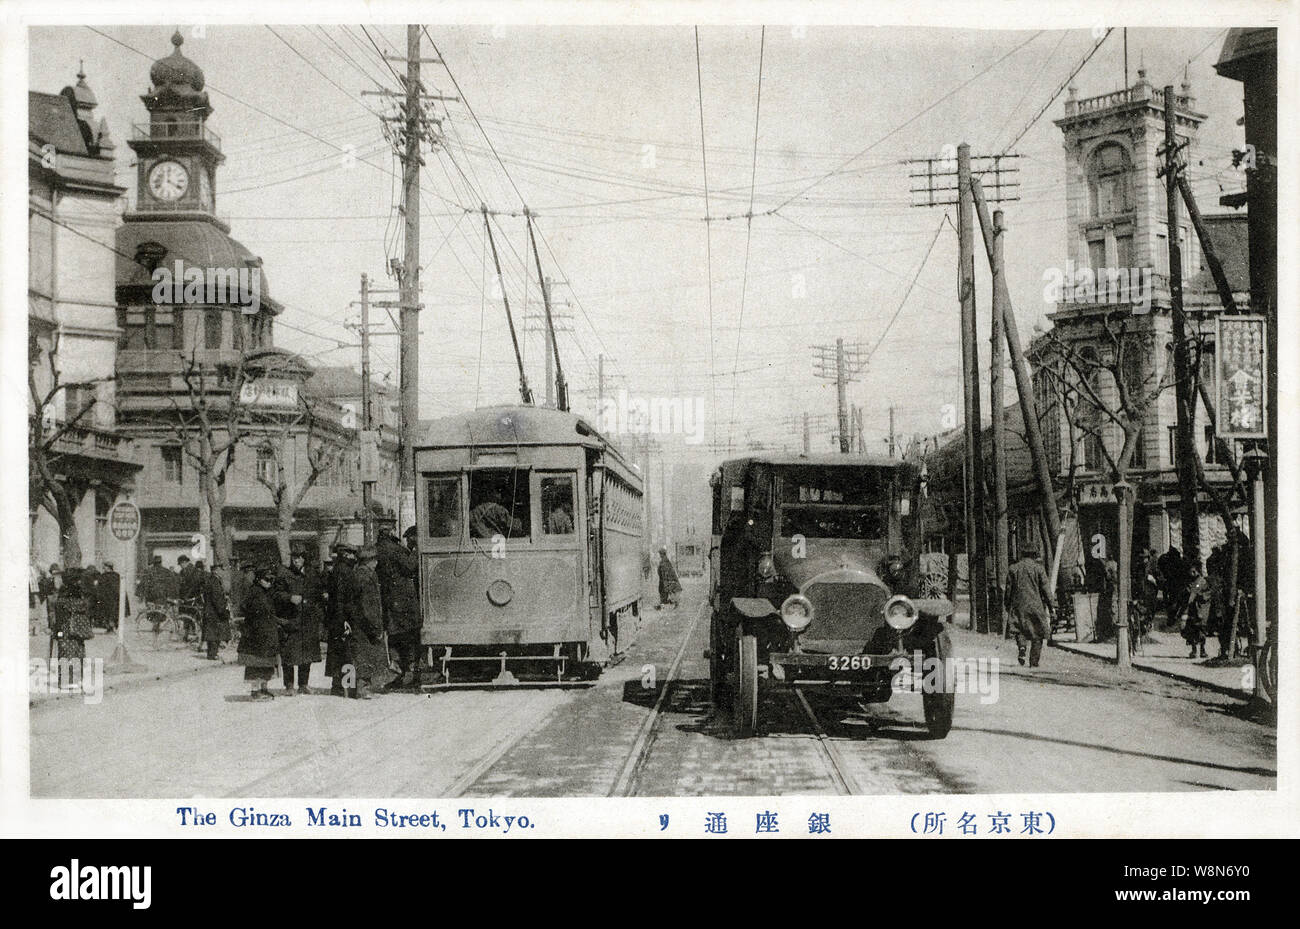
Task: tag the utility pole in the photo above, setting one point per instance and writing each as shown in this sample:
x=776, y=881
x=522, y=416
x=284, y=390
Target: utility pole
x=600, y=386
x=996, y=360
x=861, y=444
x=807, y=435
x=1020, y=368
x=409, y=356
x=943, y=184
x=1184, y=399
x=367, y=487
x=971, y=384
x=892, y=440
x=841, y=364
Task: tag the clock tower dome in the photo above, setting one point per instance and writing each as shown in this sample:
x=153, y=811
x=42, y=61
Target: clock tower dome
x=177, y=153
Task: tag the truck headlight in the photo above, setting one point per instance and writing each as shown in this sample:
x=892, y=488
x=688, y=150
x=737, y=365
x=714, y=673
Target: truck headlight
x=900, y=612
x=796, y=612
x=766, y=567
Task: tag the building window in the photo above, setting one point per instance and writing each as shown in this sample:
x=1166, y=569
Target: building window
x=78, y=400
x=1173, y=446
x=165, y=328
x=1110, y=180
x=266, y=464
x=240, y=331
x=172, y=469
x=212, y=329
x=1124, y=251
x=102, y=505
x=1140, y=451
x=1097, y=254
x=1092, y=452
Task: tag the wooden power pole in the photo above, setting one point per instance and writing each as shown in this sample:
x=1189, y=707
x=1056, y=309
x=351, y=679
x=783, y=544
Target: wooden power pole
x=996, y=361
x=1185, y=399
x=367, y=487
x=971, y=387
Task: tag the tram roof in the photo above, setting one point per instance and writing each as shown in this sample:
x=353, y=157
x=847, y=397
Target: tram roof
x=510, y=425
x=817, y=461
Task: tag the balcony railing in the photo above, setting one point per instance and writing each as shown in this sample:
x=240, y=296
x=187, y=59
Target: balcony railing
x=92, y=441
x=1120, y=97
x=183, y=130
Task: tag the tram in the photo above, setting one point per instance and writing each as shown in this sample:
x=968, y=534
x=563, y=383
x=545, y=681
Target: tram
x=530, y=539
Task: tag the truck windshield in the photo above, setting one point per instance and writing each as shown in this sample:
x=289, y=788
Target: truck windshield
x=835, y=502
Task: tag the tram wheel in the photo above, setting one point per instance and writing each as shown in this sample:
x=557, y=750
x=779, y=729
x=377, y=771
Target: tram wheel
x=745, y=702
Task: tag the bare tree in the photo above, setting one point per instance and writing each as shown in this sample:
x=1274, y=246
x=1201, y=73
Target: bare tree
x=287, y=485
x=1107, y=383
x=47, y=488
x=209, y=428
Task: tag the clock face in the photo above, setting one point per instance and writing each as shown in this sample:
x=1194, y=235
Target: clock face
x=168, y=180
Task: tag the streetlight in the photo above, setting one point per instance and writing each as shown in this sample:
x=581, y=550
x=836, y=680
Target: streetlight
x=1255, y=462
x=1122, y=489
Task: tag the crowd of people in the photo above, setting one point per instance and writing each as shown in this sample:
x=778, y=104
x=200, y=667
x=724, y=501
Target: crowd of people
x=363, y=604
x=1202, y=603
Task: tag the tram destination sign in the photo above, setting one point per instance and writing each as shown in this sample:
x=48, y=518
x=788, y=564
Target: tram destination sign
x=1240, y=381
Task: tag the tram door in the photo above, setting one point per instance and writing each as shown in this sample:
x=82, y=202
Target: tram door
x=595, y=561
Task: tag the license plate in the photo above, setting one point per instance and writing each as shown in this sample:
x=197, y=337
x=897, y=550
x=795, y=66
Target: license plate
x=848, y=662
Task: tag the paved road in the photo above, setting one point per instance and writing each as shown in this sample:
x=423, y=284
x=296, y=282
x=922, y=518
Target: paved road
x=1073, y=725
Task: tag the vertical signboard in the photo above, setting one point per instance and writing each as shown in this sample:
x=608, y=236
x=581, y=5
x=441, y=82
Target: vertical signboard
x=1240, y=381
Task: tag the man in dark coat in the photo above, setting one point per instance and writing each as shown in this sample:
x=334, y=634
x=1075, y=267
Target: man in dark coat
x=338, y=644
x=1173, y=569
x=298, y=600
x=366, y=624
x=396, y=569
x=107, y=593
x=259, y=645
x=669, y=585
x=215, y=613
x=1029, y=603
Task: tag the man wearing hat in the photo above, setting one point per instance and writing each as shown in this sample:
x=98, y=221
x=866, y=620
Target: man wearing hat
x=1029, y=604
x=396, y=569
x=107, y=593
x=366, y=624
x=259, y=645
x=338, y=612
x=669, y=585
x=215, y=612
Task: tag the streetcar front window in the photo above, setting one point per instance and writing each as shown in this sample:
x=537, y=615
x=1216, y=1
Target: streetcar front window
x=499, y=503
x=442, y=496
x=557, y=505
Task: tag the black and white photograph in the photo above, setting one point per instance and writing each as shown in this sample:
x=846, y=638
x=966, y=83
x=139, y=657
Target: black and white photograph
x=798, y=421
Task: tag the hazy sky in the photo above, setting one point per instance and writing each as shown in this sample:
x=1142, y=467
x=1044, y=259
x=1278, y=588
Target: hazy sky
x=599, y=128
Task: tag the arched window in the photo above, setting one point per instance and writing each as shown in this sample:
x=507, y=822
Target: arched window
x=1110, y=184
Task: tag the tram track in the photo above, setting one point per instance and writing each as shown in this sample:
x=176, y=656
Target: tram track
x=628, y=781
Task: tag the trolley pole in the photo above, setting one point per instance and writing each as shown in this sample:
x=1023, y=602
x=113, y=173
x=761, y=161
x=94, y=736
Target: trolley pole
x=807, y=436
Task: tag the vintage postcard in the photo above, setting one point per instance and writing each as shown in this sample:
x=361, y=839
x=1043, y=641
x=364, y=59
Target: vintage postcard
x=693, y=420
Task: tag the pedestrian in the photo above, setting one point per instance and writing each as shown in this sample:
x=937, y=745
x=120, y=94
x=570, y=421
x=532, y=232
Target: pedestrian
x=397, y=571
x=189, y=590
x=259, y=644
x=1197, y=595
x=108, y=592
x=669, y=585
x=298, y=602
x=1152, y=581
x=45, y=588
x=1029, y=604
x=365, y=618
x=339, y=663
x=216, y=613
x=90, y=584
x=1174, y=571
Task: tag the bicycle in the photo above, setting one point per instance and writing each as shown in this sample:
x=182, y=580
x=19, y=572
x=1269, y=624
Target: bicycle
x=1139, y=625
x=157, y=618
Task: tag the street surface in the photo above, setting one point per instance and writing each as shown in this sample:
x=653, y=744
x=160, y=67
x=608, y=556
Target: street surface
x=1072, y=725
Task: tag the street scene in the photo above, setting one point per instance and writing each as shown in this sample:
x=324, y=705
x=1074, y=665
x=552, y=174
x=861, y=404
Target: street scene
x=651, y=411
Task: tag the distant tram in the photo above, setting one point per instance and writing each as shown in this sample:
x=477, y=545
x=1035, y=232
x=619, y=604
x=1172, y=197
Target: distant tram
x=530, y=545
x=690, y=560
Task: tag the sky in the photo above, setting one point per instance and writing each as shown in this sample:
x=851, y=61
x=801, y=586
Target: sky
x=598, y=131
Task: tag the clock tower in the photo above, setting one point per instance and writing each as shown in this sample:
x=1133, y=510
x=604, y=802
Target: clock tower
x=177, y=154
